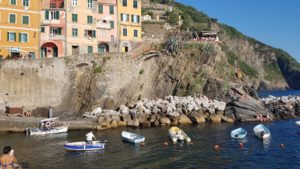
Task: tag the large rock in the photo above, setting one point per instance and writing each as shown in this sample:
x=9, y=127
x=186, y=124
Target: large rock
x=142, y=117
x=133, y=123
x=183, y=119
x=125, y=117
x=227, y=119
x=215, y=118
x=197, y=117
x=114, y=124
x=122, y=124
x=146, y=123
x=165, y=121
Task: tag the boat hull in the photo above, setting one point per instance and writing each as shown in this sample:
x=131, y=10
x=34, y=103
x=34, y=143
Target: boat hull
x=259, y=129
x=83, y=146
x=132, y=137
x=238, y=133
x=297, y=123
x=176, y=134
x=38, y=131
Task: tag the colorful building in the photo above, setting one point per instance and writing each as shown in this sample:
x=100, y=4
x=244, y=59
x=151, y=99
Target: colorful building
x=81, y=27
x=53, y=31
x=19, y=28
x=129, y=16
x=107, y=28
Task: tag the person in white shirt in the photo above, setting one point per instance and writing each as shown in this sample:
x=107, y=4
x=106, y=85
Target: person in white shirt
x=89, y=137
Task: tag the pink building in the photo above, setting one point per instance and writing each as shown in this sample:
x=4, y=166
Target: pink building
x=107, y=27
x=53, y=28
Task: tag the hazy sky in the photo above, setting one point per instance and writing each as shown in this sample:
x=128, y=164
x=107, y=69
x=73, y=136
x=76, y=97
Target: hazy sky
x=274, y=22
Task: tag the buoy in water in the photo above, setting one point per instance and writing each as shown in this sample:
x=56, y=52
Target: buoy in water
x=241, y=145
x=165, y=144
x=217, y=147
x=281, y=145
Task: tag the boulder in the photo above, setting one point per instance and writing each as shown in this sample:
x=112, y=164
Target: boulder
x=165, y=121
x=125, y=117
x=215, y=118
x=101, y=120
x=114, y=124
x=156, y=123
x=183, y=119
x=227, y=119
x=122, y=124
x=133, y=123
x=197, y=117
x=142, y=117
x=146, y=123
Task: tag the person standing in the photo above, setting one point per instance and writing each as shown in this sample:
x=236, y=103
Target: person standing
x=89, y=137
x=51, y=112
x=8, y=159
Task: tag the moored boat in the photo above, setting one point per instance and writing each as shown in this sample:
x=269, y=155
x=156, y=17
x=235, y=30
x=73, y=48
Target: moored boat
x=84, y=146
x=47, y=126
x=297, y=123
x=176, y=134
x=238, y=133
x=261, y=131
x=132, y=137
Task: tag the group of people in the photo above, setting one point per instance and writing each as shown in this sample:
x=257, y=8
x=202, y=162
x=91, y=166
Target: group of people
x=8, y=159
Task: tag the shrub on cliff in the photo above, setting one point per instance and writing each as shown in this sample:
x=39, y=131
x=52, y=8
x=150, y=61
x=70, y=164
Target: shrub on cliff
x=173, y=45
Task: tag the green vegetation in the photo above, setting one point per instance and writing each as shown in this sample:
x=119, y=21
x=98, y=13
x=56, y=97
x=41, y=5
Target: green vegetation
x=232, y=57
x=232, y=32
x=141, y=71
x=147, y=12
x=273, y=72
x=98, y=69
x=162, y=1
x=247, y=69
x=173, y=45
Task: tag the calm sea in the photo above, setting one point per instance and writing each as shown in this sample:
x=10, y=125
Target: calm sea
x=47, y=152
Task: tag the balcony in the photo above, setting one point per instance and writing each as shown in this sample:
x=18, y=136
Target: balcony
x=51, y=22
x=102, y=25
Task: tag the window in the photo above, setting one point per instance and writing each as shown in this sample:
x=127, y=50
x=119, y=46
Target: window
x=74, y=17
x=13, y=2
x=135, y=18
x=124, y=3
x=11, y=36
x=124, y=17
x=51, y=15
x=112, y=24
x=89, y=19
x=42, y=29
x=12, y=18
x=90, y=49
x=23, y=37
x=135, y=33
x=111, y=9
x=25, y=2
x=90, y=3
x=74, y=2
x=135, y=4
x=55, y=31
x=25, y=20
x=74, y=32
x=124, y=32
x=90, y=33
x=100, y=9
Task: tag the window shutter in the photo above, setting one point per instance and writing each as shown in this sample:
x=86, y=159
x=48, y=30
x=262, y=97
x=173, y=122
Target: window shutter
x=57, y=14
x=59, y=31
x=138, y=19
x=94, y=34
x=132, y=18
x=7, y=36
x=47, y=14
x=20, y=37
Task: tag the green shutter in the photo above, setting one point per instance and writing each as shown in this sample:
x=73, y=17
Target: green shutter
x=47, y=14
x=7, y=36
x=15, y=36
x=100, y=9
x=57, y=14
x=112, y=24
x=93, y=33
x=111, y=9
x=20, y=37
x=59, y=31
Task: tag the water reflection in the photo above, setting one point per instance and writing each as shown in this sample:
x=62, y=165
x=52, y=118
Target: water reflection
x=266, y=143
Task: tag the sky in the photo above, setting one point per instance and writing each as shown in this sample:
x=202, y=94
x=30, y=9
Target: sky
x=273, y=22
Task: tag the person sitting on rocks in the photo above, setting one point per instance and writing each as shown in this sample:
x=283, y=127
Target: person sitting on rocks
x=8, y=159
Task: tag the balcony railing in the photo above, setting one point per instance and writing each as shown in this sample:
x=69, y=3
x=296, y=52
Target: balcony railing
x=51, y=21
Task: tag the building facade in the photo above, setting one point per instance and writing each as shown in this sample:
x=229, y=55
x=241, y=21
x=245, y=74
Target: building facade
x=107, y=27
x=53, y=30
x=130, y=27
x=81, y=36
x=19, y=28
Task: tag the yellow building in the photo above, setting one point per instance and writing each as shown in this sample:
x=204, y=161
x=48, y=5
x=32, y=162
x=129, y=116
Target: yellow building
x=129, y=16
x=19, y=28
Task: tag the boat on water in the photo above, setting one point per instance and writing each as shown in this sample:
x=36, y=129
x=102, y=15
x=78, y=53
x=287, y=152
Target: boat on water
x=262, y=131
x=47, y=126
x=176, y=134
x=297, y=123
x=238, y=133
x=84, y=146
x=132, y=137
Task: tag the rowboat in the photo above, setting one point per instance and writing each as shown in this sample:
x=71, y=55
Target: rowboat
x=239, y=133
x=47, y=126
x=297, y=123
x=132, y=137
x=176, y=134
x=44, y=131
x=84, y=146
x=261, y=131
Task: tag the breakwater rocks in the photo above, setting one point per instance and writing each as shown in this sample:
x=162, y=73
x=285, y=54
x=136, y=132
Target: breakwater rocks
x=284, y=107
x=171, y=110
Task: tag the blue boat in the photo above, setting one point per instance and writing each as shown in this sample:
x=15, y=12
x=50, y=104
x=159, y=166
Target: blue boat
x=262, y=131
x=84, y=146
x=239, y=133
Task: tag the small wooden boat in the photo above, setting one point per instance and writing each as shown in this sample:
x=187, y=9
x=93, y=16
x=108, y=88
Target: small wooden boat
x=176, y=134
x=297, y=123
x=84, y=146
x=132, y=137
x=239, y=133
x=47, y=126
x=262, y=131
